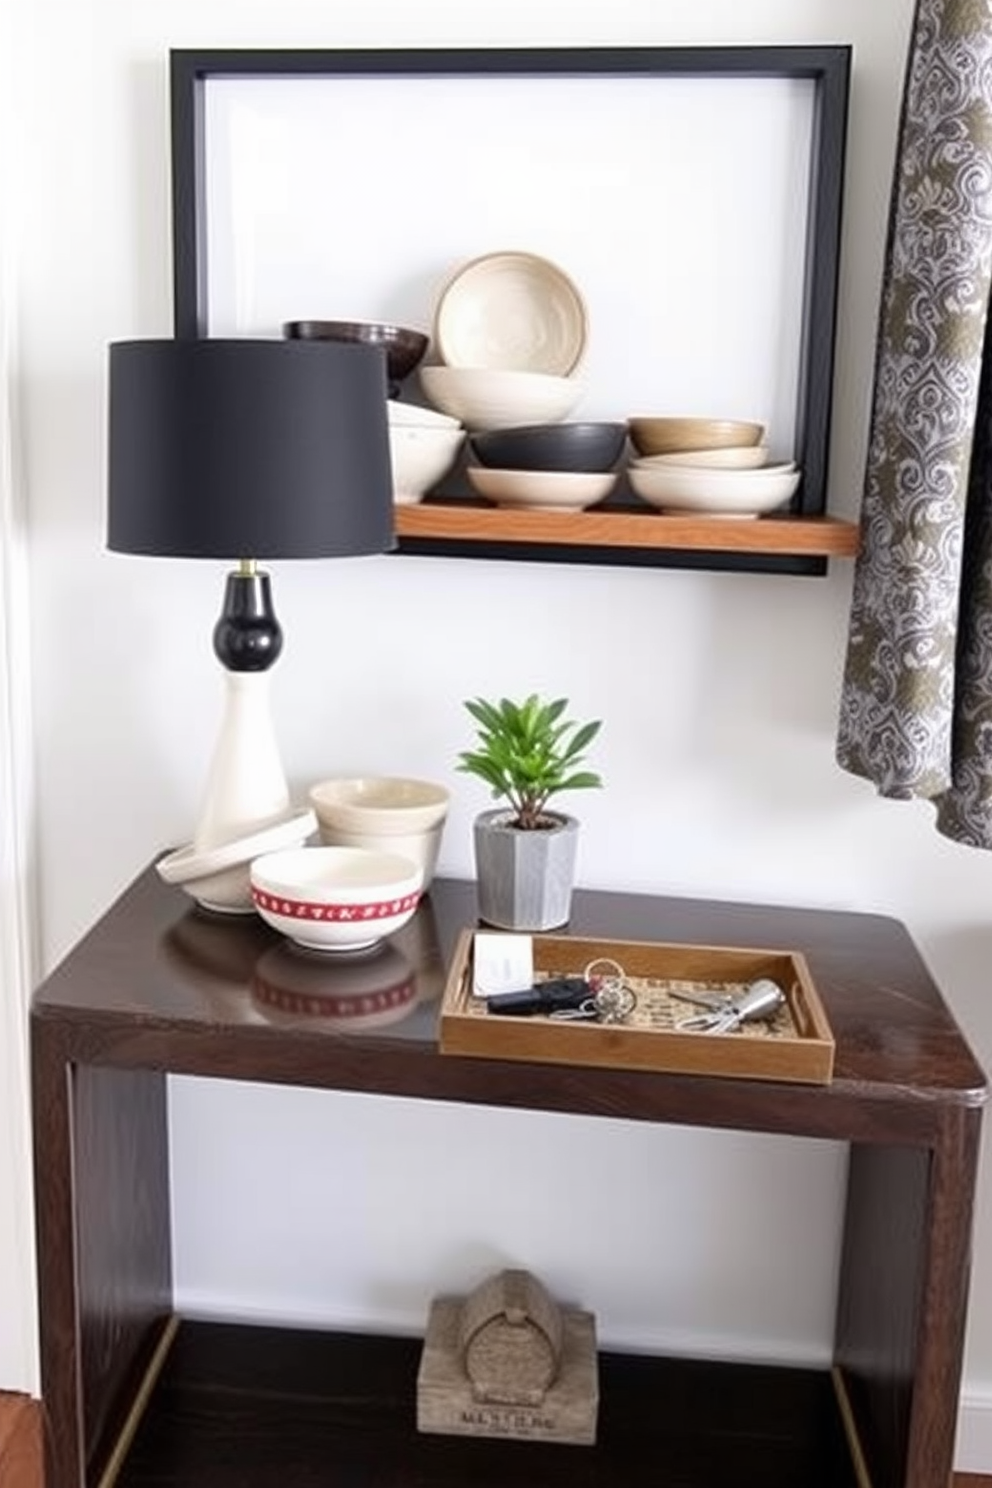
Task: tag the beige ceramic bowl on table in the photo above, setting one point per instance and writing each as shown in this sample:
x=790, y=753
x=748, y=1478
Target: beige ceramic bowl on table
x=394, y=813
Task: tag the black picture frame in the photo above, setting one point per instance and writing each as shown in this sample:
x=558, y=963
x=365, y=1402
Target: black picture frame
x=827, y=67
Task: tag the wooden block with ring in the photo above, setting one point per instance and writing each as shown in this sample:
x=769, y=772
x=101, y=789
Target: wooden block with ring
x=508, y=1361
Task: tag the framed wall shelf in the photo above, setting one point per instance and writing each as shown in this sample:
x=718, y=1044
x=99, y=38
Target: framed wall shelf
x=693, y=193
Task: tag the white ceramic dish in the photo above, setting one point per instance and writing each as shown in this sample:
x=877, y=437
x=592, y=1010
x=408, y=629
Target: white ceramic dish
x=734, y=457
x=218, y=878
x=514, y=311
x=490, y=398
x=412, y=413
x=541, y=490
x=421, y=455
x=727, y=493
x=335, y=898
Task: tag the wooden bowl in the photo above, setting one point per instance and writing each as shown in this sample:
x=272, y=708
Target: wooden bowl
x=665, y=436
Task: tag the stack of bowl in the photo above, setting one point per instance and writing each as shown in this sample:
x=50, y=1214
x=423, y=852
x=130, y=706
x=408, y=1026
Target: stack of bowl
x=423, y=444
x=547, y=467
x=510, y=332
x=717, y=467
x=384, y=813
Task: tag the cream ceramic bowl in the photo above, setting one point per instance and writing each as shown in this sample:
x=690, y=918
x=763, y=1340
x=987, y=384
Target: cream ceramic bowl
x=421, y=455
x=541, y=490
x=726, y=493
x=335, y=898
x=391, y=813
x=413, y=413
x=511, y=310
x=732, y=457
x=495, y=398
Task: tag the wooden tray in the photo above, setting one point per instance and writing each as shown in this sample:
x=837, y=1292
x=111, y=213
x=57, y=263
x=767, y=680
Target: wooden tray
x=796, y=1045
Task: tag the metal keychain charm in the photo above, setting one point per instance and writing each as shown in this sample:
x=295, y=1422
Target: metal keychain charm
x=762, y=999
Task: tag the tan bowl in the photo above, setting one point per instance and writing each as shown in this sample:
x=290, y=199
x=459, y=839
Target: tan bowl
x=665, y=436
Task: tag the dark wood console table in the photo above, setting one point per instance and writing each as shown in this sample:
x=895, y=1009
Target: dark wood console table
x=134, y=1395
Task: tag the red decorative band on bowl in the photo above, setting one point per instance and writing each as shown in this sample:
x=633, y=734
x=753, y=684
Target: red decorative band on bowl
x=352, y=1005
x=300, y=909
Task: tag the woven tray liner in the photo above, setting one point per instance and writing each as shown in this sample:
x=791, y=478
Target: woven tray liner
x=660, y=1008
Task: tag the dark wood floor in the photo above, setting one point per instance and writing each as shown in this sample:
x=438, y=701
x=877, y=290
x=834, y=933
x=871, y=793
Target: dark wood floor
x=20, y=1446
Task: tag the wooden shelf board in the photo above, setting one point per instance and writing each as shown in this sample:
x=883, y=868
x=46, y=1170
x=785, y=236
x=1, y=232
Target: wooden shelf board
x=245, y=1407
x=463, y=522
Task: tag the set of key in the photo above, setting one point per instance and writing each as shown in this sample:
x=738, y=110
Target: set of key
x=608, y=999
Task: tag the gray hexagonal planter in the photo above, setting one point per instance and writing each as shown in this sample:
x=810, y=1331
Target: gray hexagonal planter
x=524, y=879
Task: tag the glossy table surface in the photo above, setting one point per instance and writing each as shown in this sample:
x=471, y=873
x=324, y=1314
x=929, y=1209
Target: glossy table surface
x=158, y=959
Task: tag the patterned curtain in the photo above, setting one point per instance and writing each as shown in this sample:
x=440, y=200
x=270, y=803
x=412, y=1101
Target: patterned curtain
x=916, y=705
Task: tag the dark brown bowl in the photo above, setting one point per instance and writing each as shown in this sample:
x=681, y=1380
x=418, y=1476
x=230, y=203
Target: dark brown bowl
x=584, y=448
x=405, y=348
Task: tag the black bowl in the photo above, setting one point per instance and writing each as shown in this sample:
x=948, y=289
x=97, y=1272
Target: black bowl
x=581, y=447
x=405, y=348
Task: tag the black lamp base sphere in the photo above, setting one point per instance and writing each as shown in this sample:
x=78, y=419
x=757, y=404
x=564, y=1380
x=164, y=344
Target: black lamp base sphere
x=247, y=636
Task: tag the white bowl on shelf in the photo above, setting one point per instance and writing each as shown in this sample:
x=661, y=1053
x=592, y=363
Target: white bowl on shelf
x=494, y=398
x=541, y=490
x=405, y=414
x=421, y=455
x=335, y=898
x=724, y=493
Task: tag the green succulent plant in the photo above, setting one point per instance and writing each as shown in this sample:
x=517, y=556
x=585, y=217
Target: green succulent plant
x=528, y=752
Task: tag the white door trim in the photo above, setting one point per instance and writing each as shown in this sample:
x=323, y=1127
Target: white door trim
x=18, y=935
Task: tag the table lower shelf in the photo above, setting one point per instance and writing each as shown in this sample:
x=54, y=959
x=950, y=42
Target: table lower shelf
x=238, y=1406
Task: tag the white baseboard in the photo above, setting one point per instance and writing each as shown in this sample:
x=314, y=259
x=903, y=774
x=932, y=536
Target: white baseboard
x=974, y=1448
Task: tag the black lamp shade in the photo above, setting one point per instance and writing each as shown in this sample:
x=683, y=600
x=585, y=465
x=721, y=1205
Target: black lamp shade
x=248, y=449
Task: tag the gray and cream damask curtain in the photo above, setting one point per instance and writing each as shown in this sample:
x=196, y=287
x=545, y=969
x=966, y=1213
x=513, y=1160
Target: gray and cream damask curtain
x=916, y=706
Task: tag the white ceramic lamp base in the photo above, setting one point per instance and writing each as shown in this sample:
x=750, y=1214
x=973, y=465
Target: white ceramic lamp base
x=246, y=786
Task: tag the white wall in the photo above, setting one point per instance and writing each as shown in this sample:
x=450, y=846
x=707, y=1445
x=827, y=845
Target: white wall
x=717, y=749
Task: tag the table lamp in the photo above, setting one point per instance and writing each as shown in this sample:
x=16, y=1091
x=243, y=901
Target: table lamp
x=246, y=450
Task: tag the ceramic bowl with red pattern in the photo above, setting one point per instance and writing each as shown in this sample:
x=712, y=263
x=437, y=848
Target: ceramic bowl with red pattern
x=335, y=898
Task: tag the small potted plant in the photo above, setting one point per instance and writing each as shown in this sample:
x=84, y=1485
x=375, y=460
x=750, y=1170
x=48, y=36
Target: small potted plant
x=527, y=753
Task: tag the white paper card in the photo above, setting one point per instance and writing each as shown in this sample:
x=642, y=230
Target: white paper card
x=502, y=963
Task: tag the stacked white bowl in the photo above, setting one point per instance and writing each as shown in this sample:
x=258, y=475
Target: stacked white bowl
x=423, y=446
x=510, y=330
x=714, y=467
x=385, y=813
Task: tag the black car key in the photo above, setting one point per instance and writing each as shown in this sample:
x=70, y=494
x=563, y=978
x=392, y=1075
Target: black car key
x=555, y=995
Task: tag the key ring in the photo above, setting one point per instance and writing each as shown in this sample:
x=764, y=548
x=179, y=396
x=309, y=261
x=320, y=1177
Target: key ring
x=614, y=1000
